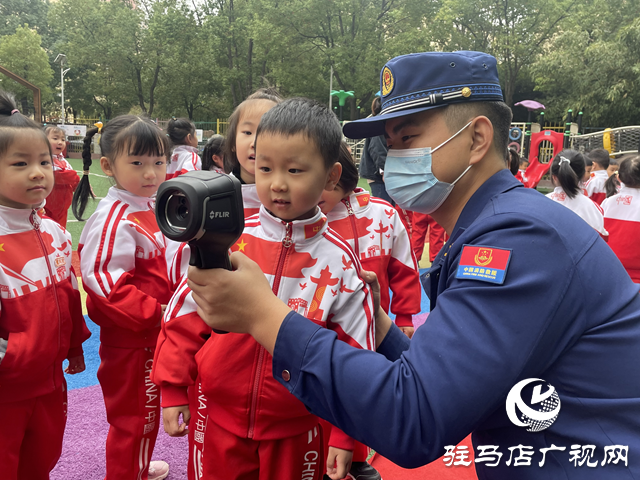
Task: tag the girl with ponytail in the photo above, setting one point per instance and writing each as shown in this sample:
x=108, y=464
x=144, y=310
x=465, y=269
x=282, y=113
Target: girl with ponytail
x=567, y=170
x=622, y=217
x=124, y=271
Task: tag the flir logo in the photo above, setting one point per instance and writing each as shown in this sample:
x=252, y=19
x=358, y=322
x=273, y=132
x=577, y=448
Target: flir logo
x=538, y=414
x=213, y=215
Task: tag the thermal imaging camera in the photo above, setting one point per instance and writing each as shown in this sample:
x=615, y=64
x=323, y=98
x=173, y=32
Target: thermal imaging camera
x=204, y=209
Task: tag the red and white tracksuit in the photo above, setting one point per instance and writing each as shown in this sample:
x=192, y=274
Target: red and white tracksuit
x=587, y=209
x=41, y=324
x=595, y=186
x=184, y=159
x=388, y=254
x=178, y=260
x=315, y=271
x=521, y=176
x=125, y=275
x=59, y=200
x=376, y=232
x=622, y=221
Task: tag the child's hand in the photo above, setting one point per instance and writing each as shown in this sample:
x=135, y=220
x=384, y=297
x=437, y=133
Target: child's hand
x=338, y=463
x=76, y=365
x=171, y=420
x=408, y=331
x=164, y=307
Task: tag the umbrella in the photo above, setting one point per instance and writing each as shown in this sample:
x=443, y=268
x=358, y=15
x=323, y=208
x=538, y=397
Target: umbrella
x=530, y=105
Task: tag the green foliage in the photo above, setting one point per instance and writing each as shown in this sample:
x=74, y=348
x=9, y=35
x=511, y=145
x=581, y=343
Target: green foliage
x=22, y=54
x=593, y=66
x=201, y=58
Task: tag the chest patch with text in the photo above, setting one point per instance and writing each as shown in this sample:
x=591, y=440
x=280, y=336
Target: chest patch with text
x=487, y=264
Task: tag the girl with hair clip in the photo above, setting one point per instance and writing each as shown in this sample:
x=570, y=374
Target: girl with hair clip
x=622, y=217
x=212, y=154
x=41, y=320
x=182, y=336
x=567, y=170
x=124, y=271
x=182, y=133
x=66, y=178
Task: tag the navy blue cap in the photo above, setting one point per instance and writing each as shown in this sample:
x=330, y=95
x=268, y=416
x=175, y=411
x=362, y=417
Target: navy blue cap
x=422, y=81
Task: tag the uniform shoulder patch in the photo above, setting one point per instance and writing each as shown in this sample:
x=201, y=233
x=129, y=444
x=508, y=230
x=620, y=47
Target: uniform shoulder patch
x=487, y=264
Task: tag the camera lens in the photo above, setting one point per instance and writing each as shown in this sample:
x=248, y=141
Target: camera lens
x=177, y=211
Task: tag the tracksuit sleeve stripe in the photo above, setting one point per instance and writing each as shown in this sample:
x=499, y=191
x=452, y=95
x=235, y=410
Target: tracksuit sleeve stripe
x=96, y=270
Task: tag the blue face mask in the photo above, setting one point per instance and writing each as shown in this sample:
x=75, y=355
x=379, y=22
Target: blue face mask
x=411, y=183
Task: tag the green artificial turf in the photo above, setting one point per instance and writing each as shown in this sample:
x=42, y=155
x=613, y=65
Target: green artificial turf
x=100, y=186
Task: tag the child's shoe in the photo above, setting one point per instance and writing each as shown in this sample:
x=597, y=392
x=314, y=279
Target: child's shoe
x=158, y=470
x=363, y=471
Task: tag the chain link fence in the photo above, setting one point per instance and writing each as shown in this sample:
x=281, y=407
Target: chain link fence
x=617, y=141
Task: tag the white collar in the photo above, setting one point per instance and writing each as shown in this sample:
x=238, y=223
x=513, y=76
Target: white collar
x=299, y=230
x=142, y=203
x=16, y=220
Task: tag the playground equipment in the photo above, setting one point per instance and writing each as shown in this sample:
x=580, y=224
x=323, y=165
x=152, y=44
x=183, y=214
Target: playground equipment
x=37, y=102
x=541, y=155
x=342, y=98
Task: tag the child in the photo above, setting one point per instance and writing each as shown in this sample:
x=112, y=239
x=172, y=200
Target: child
x=357, y=217
x=613, y=167
x=182, y=133
x=41, y=320
x=377, y=234
x=179, y=381
x=522, y=171
x=212, y=156
x=255, y=428
x=595, y=185
x=125, y=275
x=622, y=217
x=566, y=170
x=66, y=178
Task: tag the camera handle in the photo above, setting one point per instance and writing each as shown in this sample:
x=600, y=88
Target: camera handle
x=209, y=255
x=205, y=258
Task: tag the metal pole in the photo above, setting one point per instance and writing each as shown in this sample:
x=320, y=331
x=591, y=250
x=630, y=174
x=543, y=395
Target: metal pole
x=331, y=90
x=62, y=89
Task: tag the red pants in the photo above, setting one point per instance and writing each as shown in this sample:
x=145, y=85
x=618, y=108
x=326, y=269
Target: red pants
x=422, y=223
x=31, y=434
x=197, y=429
x=233, y=458
x=133, y=410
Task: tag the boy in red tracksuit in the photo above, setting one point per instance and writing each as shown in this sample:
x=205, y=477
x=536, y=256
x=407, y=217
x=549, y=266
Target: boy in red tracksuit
x=41, y=320
x=256, y=429
x=66, y=178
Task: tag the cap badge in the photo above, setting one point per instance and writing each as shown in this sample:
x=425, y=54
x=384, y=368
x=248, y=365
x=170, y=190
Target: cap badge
x=387, y=81
x=466, y=92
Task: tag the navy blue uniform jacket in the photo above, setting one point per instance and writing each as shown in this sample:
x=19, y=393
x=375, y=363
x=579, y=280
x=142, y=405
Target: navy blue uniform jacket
x=567, y=313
